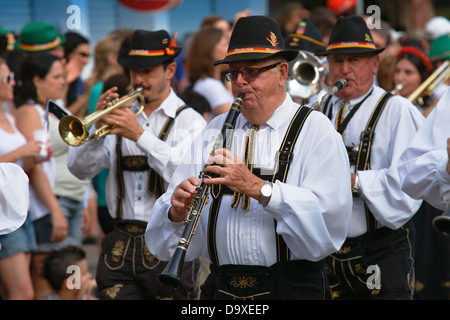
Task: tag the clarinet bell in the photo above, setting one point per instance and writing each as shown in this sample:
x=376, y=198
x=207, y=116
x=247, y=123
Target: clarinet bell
x=442, y=223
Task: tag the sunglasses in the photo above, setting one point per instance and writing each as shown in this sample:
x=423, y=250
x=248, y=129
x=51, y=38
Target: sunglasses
x=248, y=73
x=8, y=79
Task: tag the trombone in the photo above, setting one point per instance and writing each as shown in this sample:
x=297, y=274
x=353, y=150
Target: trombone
x=440, y=75
x=74, y=131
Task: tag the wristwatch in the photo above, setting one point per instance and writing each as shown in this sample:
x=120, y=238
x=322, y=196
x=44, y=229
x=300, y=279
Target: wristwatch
x=356, y=190
x=266, y=193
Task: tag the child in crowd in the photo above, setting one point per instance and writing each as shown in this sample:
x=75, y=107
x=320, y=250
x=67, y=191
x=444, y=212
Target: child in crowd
x=67, y=272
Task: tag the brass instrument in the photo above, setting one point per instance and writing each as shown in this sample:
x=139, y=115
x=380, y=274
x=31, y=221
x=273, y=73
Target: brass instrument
x=74, y=131
x=172, y=273
x=440, y=75
x=306, y=75
x=339, y=85
x=397, y=88
x=442, y=223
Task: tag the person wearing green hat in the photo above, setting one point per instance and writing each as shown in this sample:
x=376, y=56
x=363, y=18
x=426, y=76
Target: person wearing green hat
x=40, y=36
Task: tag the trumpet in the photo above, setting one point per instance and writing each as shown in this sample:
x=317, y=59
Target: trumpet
x=171, y=275
x=74, y=131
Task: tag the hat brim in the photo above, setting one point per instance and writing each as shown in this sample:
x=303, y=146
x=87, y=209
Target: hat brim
x=350, y=50
x=19, y=45
x=142, y=62
x=289, y=55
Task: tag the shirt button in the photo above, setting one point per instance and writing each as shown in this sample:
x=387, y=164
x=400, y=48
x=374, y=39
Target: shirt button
x=242, y=235
x=245, y=259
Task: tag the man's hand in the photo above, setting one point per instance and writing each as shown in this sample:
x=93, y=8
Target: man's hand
x=181, y=198
x=234, y=174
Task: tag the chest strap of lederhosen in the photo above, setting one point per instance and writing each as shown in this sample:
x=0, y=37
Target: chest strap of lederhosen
x=363, y=156
x=284, y=159
x=140, y=163
x=326, y=111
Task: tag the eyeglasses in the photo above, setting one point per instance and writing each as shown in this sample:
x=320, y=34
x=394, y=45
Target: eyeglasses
x=248, y=73
x=8, y=79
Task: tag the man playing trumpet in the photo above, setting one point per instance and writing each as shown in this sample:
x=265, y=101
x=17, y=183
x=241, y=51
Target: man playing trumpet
x=141, y=153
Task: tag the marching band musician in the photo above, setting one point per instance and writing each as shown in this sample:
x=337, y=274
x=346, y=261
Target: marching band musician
x=307, y=39
x=141, y=153
x=274, y=227
x=424, y=167
x=424, y=171
x=376, y=127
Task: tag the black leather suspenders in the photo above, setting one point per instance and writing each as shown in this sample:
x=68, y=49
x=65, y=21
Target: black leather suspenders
x=284, y=159
x=140, y=163
x=363, y=155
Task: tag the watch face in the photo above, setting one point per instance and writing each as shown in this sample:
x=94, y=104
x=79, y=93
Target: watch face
x=266, y=190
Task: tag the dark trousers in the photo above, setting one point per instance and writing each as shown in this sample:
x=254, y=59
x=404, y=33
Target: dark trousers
x=377, y=265
x=127, y=270
x=300, y=280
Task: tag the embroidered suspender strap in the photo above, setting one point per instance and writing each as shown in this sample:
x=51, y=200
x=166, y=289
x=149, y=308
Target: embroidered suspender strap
x=284, y=158
x=363, y=158
x=119, y=177
x=155, y=181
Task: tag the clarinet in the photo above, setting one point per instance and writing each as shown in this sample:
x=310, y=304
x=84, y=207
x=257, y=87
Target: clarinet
x=171, y=275
x=339, y=85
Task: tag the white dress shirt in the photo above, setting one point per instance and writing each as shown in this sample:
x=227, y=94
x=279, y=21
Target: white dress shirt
x=312, y=208
x=380, y=186
x=13, y=197
x=422, y=167
x=89, y=159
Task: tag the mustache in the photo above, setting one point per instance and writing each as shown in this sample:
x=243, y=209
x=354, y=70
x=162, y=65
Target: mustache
x=144, y=88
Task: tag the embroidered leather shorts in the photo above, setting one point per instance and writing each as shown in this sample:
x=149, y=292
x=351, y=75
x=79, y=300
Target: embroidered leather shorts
x=378, y=265
x=127, y=270
x=298, y=279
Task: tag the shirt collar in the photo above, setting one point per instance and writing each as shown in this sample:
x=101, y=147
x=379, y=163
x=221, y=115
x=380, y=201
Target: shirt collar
x=352, y=102
x=170, y=105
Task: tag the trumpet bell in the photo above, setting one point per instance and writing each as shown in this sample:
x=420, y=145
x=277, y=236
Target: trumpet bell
x=306, y=75
x=73, y=130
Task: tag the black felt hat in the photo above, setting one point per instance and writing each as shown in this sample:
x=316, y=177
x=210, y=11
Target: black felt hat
x=255, y=38
x=306, y=37
x=351, y=35
x=149, y=48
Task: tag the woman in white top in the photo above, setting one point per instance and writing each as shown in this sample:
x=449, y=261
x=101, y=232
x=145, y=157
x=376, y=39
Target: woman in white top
x=42, y=78
x=17, y=242
x=208, y=45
